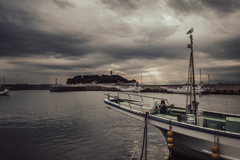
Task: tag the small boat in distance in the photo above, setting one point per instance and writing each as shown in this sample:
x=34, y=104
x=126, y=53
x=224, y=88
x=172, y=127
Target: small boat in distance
x=184, y=89
x=136, y=88
x=3, y=90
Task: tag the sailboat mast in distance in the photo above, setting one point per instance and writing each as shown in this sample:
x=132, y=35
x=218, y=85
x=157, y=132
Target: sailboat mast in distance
x=200, y=76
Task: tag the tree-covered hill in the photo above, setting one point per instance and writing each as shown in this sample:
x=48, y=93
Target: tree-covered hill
x=98, y=79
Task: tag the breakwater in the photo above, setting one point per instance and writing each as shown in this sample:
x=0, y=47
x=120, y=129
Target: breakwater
x=26, y=86
x=216, y=88
x=66, y=88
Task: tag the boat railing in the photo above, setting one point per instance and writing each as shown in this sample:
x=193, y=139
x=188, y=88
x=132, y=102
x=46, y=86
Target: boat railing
x=141, y=96
x=125, y=100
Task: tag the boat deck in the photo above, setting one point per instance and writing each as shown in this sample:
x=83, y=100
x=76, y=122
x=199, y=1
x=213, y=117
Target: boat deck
x=214, y=120
x=136, y=105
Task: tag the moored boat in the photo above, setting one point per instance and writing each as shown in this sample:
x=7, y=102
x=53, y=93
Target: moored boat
x=184, y=89
x=135, y=88
x=195, y=141
x=199, y=134
x=4, y=91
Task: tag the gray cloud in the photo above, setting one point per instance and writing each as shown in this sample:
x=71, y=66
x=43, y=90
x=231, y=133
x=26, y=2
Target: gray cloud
x=13, y=15
x=21, y=40
x=41, y=66
x=20, y=37
x=17, y=41
x=196, y=6
x=223, y=69
x=147, y=32
x=63, y=3
x=223, y=49
x=223, y=73
x=229, y=49
x=121, y=4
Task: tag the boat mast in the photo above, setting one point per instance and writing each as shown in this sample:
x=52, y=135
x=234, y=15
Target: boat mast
x=192, y=79
x=3, y=83
x=193, y=76
x=200, y=77
x=208, y=79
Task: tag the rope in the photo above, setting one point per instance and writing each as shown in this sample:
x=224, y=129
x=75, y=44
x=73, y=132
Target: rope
x=145, y=138
x=135, y=150
x=143, y=143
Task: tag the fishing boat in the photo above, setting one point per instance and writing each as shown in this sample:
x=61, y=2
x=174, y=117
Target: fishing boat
x=190, y=131
x=136, y=88
x=199, y=88
x=184, y=89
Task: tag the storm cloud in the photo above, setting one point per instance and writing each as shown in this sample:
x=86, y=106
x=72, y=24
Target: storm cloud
x=65, y=38
x=197, y=6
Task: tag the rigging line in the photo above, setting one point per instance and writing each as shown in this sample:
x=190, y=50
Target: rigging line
x=135, y=150
x=146, y=140
x=187, y=91
x=144, y=137
x=218, y=140
x=143, y=142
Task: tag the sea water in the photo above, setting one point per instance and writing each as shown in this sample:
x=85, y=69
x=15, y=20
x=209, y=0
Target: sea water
x=77, y=125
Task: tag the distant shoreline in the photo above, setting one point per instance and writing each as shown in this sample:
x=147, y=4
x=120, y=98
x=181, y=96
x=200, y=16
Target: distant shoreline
x=219, y=88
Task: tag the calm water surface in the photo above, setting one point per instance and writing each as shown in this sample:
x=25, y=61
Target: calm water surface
x=77, y=125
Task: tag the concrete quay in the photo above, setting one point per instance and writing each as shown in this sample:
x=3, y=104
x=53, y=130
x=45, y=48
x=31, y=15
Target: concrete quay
x=69, y=88
x=26, y=86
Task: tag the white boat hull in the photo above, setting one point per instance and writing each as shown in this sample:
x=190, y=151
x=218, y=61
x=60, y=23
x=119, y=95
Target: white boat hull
x=190, y=140
x=199, y=144
x=5, y=92
x=130, y=89
x=184, y=91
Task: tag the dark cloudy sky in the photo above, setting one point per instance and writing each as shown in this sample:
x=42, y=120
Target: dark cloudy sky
x=48, y=39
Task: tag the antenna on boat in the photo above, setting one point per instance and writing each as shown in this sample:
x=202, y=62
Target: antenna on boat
x=191, y=81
